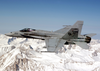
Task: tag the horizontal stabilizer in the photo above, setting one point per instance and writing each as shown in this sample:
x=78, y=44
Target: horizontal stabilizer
x=90, y=35
x=82, y=45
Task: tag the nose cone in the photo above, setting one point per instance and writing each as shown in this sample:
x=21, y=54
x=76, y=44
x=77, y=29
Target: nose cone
x=9, y=34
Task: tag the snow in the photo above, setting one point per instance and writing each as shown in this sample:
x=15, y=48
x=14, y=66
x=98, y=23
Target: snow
x=21, y=54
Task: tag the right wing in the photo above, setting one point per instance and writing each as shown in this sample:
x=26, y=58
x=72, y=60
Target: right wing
x=63, y=30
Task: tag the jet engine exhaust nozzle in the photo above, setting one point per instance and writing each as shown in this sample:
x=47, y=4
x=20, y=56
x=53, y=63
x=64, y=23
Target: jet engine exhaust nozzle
x=88, y=39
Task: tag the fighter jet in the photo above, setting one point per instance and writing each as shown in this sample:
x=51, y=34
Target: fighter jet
x=55, y=40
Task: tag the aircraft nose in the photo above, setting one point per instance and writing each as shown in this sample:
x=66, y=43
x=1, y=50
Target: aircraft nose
x=8, y=34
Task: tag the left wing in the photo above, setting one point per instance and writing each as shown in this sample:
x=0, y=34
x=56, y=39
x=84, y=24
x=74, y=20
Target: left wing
x=53, y=44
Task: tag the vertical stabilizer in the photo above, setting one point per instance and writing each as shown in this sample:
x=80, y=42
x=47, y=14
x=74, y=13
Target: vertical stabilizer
x=78, y=25
x=74, y=31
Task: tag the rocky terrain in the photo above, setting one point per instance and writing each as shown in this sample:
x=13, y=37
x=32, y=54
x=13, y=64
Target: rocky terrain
x=22, y=54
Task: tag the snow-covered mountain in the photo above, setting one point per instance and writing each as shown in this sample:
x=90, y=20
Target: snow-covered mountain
x=21, y=54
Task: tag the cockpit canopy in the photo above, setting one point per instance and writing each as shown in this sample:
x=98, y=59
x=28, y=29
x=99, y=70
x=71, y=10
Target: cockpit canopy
x=27, y=30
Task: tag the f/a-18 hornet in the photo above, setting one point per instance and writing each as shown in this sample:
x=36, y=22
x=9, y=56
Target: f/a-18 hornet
x=55, y=40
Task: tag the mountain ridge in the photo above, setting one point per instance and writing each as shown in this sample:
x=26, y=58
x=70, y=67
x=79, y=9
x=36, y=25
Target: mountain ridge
x=21, y=54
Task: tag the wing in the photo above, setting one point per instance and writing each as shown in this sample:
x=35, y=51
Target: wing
x=63, y=30
x=54, y=44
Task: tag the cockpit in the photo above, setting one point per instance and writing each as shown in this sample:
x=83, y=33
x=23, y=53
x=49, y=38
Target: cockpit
x=27, y=30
